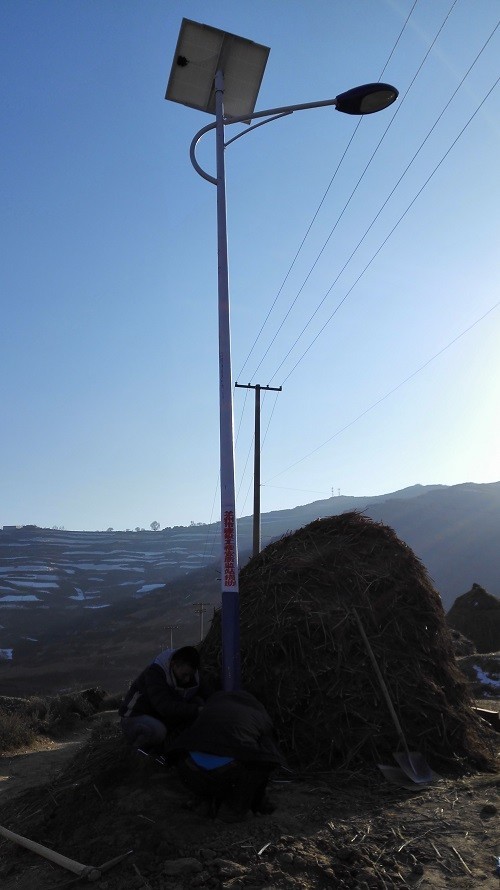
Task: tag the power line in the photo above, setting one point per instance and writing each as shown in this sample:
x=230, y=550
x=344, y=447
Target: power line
x=390, y=393
x=358, y=124
x=386, y=239
x=300, y=248
x=397, y=41
x=339, y=217
x=381, y=209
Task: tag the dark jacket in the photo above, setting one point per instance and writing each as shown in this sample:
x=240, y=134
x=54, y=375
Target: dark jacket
x=232, y=724
x=155, y=692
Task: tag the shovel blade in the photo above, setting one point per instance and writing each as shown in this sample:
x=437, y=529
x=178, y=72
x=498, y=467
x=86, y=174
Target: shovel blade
x=415, y=767
x=396, y=776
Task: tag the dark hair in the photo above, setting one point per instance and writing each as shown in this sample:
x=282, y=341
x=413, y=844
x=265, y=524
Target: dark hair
x=188, y=654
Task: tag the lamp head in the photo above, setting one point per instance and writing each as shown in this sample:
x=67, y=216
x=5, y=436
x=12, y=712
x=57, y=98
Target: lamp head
x=366, y=99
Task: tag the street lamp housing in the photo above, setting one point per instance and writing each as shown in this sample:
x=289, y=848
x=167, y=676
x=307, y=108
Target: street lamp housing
x=366, y=99
x=200, y=53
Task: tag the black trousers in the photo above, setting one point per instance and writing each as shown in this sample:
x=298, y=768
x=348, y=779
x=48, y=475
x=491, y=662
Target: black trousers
x=239, y=785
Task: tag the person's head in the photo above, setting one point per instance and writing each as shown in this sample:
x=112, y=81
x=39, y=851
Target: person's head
x=184, y=664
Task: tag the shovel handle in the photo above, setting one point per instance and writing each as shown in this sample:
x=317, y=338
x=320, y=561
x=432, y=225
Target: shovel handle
x=382, y=682
x=83, y=871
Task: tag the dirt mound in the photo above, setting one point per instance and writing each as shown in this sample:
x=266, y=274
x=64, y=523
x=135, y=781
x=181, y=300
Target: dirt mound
x=355, y=834
x=477, y=614
x=461, y=644
x=304, y=656
x=483, y=674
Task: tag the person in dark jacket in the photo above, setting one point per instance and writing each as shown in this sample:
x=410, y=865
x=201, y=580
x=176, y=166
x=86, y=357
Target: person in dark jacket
x=165, y=698
x=227, y=756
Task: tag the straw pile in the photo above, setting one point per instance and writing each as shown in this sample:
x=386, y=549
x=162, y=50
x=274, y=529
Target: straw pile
x=477, y=614
x=303, y=654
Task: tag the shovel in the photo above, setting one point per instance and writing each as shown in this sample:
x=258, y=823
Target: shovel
x=412, y=763
x=83, y=871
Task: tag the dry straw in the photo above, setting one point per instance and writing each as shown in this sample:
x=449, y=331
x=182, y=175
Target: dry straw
x=477, y=615
x=303, y=655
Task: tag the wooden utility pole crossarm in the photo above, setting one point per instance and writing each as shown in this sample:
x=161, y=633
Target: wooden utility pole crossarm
x=200, y=610
x=256, y=462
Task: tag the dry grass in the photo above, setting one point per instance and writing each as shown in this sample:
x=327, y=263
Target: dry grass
x=16, y=731
x=303, y=655
x=21, y=720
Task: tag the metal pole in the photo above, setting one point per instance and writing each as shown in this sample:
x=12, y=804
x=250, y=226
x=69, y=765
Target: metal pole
x=256, y=476
x=229, y=576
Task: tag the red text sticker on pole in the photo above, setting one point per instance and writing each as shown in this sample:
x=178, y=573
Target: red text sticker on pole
x=229, y=546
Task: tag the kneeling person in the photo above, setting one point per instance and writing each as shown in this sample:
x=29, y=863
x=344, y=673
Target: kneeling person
x=227, y=756
x=165, y=698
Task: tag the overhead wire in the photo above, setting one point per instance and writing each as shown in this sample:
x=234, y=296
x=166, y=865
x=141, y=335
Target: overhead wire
x=410, y=377
x=438, y=165
x=309, y=227
x=386, y=239
x=354, y=190
x=360, y=242
x=303, y=242
x=390, y=392
x=380, y=247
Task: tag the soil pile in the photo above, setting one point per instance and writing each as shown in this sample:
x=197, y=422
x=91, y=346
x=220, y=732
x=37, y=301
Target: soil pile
x=477, y=614
x=350, y=833
x=461, y=644
x=304, y=657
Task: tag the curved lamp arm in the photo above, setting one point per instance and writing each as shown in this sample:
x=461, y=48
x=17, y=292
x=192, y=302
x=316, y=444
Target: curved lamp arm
x=204, y=130
x=361, y=100
x=271, y=114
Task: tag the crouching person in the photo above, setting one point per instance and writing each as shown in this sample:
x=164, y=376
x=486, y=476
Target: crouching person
x=164, y=699
x=227, y=756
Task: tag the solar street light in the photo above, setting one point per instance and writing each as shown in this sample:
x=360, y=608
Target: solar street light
x=220, y=73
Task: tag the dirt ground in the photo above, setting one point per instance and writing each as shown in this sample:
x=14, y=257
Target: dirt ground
x=328, y=831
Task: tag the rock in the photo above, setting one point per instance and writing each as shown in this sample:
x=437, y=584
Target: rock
x=182, y=867
x=488, y=810
x=229, y=869
x=207, y=855
x=202, y=878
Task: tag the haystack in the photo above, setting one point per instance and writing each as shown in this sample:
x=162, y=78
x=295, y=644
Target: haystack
x=304, y=656
x=477, y=614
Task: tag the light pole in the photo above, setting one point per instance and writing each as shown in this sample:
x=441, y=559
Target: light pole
x=221, y=73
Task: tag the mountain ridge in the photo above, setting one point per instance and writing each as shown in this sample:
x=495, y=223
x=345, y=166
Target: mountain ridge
x=74, y=604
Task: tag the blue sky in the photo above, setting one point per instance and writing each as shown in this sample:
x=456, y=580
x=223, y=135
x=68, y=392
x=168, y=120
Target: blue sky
x=385, y=333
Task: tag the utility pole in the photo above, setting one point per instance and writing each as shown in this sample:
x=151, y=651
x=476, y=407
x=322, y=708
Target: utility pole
x=256, y=461
x=200, y=610
x=171, y=628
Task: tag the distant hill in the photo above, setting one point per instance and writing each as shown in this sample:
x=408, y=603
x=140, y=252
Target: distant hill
x=454, y=530
x=92, y=607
